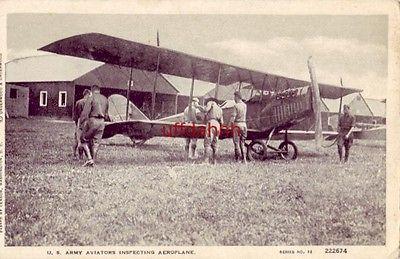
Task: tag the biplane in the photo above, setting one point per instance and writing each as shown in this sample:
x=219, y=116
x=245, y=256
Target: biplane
x=281, y=102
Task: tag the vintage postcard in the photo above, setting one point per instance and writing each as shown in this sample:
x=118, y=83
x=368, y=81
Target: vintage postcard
x=192, y=129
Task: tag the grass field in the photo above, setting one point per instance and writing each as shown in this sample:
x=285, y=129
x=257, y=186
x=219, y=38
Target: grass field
x=152, y=196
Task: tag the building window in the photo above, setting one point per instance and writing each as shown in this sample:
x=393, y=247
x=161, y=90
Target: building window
x=62, y=99
x=13, y=93
x=43, y=98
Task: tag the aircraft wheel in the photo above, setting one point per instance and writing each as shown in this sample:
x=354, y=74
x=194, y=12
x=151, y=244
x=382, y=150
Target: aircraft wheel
x=256, y=150
x=290, y=150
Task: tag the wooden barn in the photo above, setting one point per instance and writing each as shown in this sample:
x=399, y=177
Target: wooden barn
x=50, y=85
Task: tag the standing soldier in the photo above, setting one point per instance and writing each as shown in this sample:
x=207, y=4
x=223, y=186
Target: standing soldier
x=190, y=116
x=239, y=126
x=93, y=115
x=213, y=119
x=346, y=124
x=77, y=113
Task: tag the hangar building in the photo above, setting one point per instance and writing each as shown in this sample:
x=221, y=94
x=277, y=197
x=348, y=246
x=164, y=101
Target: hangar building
x=49, y=85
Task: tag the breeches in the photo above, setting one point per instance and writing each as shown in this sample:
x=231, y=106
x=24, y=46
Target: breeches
x=239, y=133
x=212, y=134
x=78, y=133
x=190, y=143
x=343, y=142
x=92, y=130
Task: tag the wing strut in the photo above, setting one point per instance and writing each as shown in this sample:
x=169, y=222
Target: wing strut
x=240, y=79
x=176, y=104
x=191, y=94
x=252, y=85
x=262, y=87
x=218, y=81
x=341, y=98
x=153, y=96
x=369, y=108
x=128, y=94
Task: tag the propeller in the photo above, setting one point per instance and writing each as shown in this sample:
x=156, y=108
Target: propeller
x=316, y=105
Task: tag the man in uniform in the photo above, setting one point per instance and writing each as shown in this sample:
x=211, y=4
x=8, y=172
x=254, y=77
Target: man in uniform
x=213, y=119
x=190, y=116
x=345, y=129
x=78, y=152
x=92, y=118
x=239, y=126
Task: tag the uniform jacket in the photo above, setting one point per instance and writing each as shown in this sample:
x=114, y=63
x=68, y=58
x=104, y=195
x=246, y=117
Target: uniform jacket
x=239, y=112
x=346, y=122
x=95, y=106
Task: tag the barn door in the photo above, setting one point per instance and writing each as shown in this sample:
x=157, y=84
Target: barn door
x=17, y=101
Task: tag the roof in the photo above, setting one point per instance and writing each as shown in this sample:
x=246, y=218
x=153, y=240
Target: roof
x=377, y=106
x=56, y=68
x=117, y=51
x=113, y=76
x=47, y=68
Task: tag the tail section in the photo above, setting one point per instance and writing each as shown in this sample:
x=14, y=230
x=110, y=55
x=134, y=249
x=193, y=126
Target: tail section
x=117, y=109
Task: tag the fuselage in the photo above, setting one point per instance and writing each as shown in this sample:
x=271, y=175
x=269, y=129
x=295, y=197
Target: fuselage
x=279, y=110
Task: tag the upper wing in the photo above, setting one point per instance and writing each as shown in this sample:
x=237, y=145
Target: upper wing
x=335, y=92
x=108, y=49
x=122, y=52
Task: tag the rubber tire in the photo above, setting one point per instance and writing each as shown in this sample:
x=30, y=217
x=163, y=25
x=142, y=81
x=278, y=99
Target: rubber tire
x=290, y=143
x=250, y=150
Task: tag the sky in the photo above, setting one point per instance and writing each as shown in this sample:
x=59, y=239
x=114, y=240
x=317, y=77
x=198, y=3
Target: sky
x=353, y=48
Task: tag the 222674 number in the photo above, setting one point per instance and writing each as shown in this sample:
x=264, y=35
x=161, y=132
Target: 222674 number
x=335, y=250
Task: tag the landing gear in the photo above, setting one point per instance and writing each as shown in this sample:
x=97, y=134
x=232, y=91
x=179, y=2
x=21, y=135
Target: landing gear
x=288, y=150
x=258, y=149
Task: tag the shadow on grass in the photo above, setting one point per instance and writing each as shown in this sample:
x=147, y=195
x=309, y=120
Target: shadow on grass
x=313, y=154
x=230, y=158
x=130, y=145
x=145, y=146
